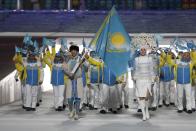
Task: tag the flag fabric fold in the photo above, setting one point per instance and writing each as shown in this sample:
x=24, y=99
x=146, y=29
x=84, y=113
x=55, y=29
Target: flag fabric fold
x=112, y=43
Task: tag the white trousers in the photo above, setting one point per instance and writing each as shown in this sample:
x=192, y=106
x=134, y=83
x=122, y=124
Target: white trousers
x=114, y=97
x=31, y=96
x=65, y=102
x=40, y=88
x=124, y=94
x=88, y=95
x=104, y=96
x=164, y=92
x=39, y=93
x=155, y=91
x=134, y=90
x=84, y=97
x=173, y=92
x=193, y=94
x=180, y=89
x=95, y=100
x=58, y=95
x=23, y=93
x=193, y=97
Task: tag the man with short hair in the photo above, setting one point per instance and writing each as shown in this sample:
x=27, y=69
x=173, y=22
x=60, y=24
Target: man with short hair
x=74, y=91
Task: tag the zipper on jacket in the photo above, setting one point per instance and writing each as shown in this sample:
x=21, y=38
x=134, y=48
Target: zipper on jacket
x=183, y=75
x=32, y=76
x=57, y=76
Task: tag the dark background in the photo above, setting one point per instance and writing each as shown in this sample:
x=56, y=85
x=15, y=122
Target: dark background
x=102, y=4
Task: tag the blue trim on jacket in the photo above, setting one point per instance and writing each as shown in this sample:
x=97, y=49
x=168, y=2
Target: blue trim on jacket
x=57, y=76
x=166, y=73
x=32, y=76
x=183, y=74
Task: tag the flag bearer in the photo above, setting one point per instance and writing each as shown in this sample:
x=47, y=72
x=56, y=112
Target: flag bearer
x=74, y=91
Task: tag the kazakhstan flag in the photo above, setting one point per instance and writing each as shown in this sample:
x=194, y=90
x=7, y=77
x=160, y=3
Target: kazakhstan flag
x=112, y=43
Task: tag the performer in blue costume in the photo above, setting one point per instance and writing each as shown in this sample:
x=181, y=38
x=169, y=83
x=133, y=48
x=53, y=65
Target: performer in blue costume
x=108, y=87
x=166, y=76
x=94, y=78
x=184, y=80
x=56, y=63
x=32, y=81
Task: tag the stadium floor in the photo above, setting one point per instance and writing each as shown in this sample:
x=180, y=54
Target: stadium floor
x=13, y=117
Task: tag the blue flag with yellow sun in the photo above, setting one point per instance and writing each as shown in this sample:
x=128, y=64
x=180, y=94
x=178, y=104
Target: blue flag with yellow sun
x=112, y=43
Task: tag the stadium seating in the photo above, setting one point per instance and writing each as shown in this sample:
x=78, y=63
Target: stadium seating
x=104, y=4
x=134, y=21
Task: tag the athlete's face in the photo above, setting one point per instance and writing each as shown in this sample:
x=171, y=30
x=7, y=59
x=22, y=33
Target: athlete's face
x=74, y=53
x=143, y=51
x=186, y=55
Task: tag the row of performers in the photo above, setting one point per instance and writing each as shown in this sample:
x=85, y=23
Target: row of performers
x=162, y=77
x=76, y=90
x=168, y=79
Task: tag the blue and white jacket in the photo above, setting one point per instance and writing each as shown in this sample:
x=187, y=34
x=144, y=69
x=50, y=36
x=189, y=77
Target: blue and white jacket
x=167, y=73
x=57, y=77
x=183, y=73
x=95, y=74
x=32, y=70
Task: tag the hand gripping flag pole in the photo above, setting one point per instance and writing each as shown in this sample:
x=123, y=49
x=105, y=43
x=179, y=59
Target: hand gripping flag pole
x=79, y=63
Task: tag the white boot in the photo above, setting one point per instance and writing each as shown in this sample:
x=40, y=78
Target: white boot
x=76, y=117
x=146, y=110
x=71, y=114
x=71, y=111
x=142, y=105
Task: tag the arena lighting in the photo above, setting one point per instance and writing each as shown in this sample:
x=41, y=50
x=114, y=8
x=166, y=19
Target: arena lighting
x=55, y=11
x=16, y=10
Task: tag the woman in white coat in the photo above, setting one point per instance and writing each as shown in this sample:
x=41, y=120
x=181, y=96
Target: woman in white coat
x=144, y=77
